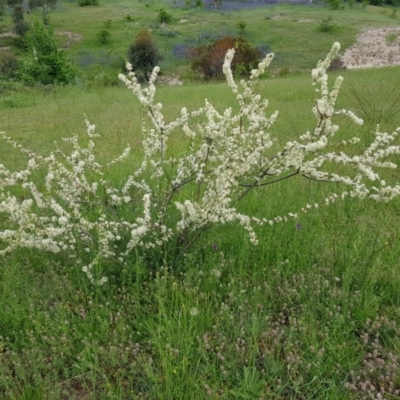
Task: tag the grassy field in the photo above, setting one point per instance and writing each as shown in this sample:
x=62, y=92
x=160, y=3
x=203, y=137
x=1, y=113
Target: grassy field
x=312, y=312
x=291, y=31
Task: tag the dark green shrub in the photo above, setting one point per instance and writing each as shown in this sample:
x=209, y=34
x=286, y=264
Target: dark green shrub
x=327, y=25
x=20, y=26
x=241, y=25
x=335, y=4
x=143, y=54
x=194, y=3
x=103, y=36
x=84, y=3
x=46, y=5
x=207, y=60
x=164, y=17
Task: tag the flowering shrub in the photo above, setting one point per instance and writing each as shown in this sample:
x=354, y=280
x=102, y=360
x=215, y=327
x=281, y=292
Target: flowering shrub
x=165, y=205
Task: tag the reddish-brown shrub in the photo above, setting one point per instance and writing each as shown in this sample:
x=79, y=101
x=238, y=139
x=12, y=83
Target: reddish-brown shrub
x=207, y=60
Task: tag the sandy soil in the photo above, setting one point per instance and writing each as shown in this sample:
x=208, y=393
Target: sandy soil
x=376, y=47
x=72, y=37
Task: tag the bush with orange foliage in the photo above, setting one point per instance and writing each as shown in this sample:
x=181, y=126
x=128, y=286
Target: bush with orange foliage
x=207, y=60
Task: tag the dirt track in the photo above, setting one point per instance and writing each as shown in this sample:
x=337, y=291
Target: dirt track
x=376, y=47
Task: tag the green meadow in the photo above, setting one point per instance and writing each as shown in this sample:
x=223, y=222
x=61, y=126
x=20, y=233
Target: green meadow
x=311, y=312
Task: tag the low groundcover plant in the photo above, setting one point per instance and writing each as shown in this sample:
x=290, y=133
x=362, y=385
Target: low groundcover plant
x=165, y=205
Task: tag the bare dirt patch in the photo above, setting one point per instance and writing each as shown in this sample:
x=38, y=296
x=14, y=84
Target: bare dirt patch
x=8, y=35
x=72, y=37
x=291, y=19
x=376, y=47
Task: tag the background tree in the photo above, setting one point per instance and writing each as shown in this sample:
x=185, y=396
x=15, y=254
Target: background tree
x=49, y=65
x=3, y=4
x=13, y=3
x=20, y=26
x=143, y=54
x=46, y=6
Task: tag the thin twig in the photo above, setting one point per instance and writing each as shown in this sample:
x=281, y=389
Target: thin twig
x=188, y=245
x=256, y=184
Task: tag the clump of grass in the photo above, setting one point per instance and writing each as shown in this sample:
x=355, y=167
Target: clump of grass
x=327, y=25
x=373, y=104
x=391, y=38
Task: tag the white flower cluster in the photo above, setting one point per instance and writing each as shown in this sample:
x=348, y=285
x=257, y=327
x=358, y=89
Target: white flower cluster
x=76, y=210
